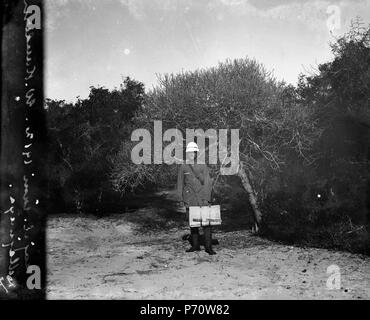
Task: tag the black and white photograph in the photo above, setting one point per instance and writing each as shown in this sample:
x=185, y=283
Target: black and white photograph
x=206, y=151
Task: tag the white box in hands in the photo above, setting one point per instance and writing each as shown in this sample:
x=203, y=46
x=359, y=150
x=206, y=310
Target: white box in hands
x=204, y=216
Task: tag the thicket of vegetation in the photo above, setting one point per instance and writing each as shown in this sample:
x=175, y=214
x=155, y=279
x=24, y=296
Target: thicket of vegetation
x=304, y=150
x=84, y=138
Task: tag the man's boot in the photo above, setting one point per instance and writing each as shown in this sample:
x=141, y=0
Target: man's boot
x=208, y=240
x=194, y=239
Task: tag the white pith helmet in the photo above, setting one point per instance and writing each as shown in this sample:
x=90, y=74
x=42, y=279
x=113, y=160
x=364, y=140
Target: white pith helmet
x=192, y=147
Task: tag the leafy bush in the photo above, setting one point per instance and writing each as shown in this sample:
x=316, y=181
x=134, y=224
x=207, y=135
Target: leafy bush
x=85, y=136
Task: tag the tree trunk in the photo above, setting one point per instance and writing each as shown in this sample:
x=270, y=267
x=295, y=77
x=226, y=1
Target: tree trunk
x=257, y=214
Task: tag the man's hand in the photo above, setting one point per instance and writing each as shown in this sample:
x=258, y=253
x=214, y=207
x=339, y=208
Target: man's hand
x=181, y=207
x=205, y=202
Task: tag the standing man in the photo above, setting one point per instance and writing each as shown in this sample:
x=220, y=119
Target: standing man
x=194, y=189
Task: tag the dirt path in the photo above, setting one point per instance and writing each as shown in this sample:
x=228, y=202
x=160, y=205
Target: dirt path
x=112, y=258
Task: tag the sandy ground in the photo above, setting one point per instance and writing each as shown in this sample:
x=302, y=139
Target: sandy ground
x=115, y=258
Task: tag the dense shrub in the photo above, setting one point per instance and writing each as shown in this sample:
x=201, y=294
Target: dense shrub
x=84, y=137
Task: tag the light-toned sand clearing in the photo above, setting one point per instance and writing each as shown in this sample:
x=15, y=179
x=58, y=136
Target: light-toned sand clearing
x=113, y=258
